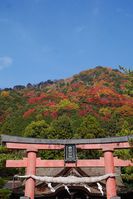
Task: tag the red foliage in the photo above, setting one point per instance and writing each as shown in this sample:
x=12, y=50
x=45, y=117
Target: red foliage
x=51, y=104
x=46, y=113
x=35, y=100
x=61, y=96
x=106, y=118
x=104, y=101
x=28, y=113
x=54, y=114
x=83, y=112
x=85, y=109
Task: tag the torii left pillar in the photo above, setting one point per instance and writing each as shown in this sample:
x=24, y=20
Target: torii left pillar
x=31, y=170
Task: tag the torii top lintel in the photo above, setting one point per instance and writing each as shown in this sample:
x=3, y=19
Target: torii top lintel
x=16, y=142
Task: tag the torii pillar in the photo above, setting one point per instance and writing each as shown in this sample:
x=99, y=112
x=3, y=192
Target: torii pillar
x=31, y=170
x=109, y=168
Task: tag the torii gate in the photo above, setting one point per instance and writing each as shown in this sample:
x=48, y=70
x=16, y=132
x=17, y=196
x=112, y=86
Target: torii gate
x=32, y=145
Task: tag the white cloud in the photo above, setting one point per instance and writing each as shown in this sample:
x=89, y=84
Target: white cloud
x=5, y=61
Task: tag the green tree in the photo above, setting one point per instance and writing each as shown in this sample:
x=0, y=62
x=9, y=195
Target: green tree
x=62, y=128
x=15, y=124
x=125, y=131
x=37, y=129
x=111, y=126
x=90, y=128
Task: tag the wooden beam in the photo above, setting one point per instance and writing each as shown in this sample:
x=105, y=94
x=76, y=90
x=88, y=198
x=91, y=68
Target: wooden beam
x=22, y=146
x=17, y=163
x=60, y=163
x=122, y=145
x=36, y=146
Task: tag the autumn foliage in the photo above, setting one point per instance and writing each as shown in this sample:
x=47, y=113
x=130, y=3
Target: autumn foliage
x=100, y=92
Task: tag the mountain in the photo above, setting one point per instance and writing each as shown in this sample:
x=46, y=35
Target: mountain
x=94, y=103
x=99, y=94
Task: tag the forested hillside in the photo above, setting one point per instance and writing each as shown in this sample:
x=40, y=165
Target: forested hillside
x=94, y=103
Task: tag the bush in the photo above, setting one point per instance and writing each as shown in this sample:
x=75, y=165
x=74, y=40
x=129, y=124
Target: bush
x=5, y=193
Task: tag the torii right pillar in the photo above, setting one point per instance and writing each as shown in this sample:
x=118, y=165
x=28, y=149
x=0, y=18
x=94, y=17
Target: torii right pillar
x=109, y=168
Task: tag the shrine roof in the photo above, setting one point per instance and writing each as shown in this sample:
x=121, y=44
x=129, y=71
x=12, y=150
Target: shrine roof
x=17, y=139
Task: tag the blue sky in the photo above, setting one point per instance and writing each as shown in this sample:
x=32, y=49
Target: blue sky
x=55, y=39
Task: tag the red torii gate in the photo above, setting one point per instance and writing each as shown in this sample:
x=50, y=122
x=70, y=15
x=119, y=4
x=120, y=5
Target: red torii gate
x=32, y=145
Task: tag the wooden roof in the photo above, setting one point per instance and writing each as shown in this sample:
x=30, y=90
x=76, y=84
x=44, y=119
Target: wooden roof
x=42, y=188
x=16, y=139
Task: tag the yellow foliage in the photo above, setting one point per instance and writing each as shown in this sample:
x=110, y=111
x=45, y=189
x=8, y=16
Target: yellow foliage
x=105, y=111
x=67, y=104
x=5, y=93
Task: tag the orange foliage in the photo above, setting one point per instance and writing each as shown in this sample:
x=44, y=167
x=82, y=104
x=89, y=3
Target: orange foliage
x=5, y=93
x=125, y=110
